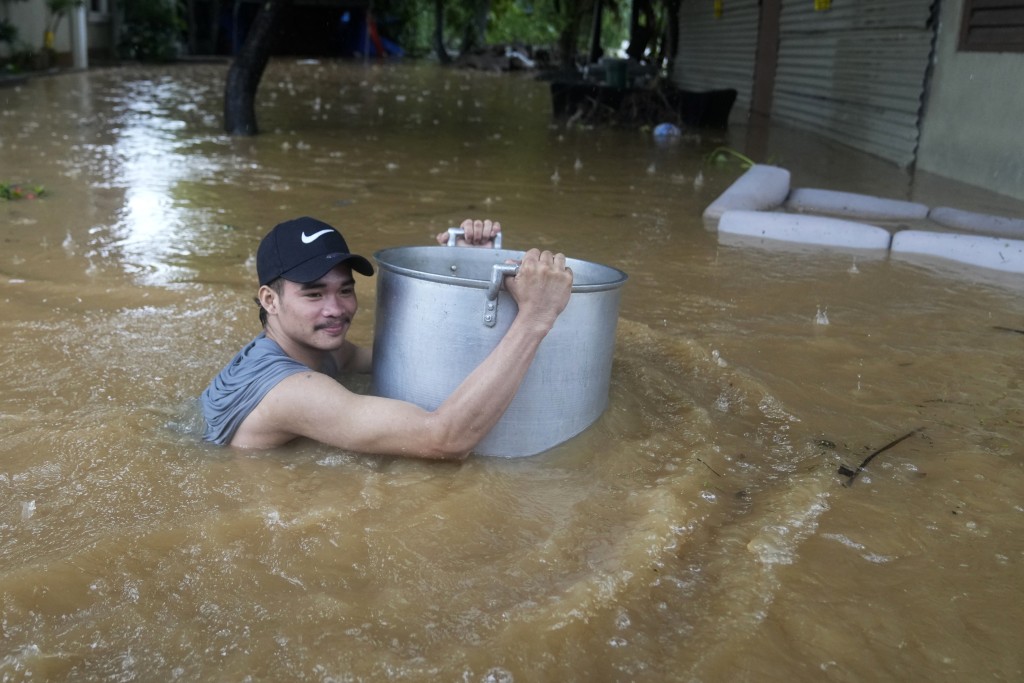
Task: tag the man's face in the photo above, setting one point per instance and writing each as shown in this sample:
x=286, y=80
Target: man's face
x=318, y=314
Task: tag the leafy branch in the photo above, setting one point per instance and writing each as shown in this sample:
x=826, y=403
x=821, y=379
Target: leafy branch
x=723, y=154
x=17, y=191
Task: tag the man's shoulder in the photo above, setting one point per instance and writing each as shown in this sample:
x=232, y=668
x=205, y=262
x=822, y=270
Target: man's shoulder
x=238, y=388
x=264, y=350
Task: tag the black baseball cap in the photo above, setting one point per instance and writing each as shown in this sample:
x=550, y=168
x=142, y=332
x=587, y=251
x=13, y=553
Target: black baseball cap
x=304, y=250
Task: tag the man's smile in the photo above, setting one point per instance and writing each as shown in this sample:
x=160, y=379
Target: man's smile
x=332, y=326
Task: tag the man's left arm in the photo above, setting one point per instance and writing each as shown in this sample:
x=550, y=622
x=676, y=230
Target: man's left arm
x=352, y=358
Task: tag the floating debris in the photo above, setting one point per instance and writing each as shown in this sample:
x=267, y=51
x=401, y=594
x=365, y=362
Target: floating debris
x=667, y=130
x=12, y=191
x=721, y=155
x=852, y=474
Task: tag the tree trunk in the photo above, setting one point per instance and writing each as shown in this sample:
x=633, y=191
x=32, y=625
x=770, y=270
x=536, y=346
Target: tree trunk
x=641, y=29
x=671, y=33
x=190, y=11
x=442, y=53
x=570, y=16
x=213, y=27
x=475, y=36
x=247, y=70
x=568, y=40
x=596, y=51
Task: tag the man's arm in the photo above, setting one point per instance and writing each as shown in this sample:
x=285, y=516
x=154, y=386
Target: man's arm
x=315, y=406
x=352, y=358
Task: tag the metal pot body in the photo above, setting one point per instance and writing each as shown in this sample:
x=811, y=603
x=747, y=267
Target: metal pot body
x=441, y=311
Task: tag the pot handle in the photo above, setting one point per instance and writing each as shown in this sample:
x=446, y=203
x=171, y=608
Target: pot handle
x=498, y=273
x=455, y=233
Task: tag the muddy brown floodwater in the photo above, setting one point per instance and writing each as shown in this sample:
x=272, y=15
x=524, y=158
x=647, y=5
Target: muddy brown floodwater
x=698, y=531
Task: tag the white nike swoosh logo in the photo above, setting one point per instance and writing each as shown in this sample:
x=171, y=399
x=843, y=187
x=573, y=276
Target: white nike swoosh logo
x=306, y=239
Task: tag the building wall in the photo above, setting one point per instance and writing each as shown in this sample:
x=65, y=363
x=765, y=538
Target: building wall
x=31, y=17
x=972, y=130
x=30, y=20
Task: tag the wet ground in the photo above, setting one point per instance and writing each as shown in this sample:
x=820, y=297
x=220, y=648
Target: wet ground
x=699, y=531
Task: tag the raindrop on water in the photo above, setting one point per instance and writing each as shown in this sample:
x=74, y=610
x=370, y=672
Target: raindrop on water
x=498, y=675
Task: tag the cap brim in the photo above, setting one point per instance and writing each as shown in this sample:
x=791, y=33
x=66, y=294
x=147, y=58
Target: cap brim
x=317, y=267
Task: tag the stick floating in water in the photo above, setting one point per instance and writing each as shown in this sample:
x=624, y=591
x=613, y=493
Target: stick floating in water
x=852, y=474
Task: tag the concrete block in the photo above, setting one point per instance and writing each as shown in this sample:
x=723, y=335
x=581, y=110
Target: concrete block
x=760, y=188
x=813, y=230
x=995, y=253
x=986, y=224
x=852, y=205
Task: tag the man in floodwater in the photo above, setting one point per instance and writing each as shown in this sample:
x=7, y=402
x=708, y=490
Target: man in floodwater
x=283, y=384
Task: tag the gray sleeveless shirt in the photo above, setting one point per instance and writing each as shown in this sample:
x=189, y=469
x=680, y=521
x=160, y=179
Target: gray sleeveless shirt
x=242, y=384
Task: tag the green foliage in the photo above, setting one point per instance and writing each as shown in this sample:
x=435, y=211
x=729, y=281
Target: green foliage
x=57, y=10
x=722, y=155
x=408, y=23
x=8, y=32
x=151, y=31
x=17, y=191
x=615, y=27
x=524, y=22
x=518, y=21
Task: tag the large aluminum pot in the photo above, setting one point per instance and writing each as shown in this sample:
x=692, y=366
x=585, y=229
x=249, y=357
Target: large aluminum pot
x=442, y=310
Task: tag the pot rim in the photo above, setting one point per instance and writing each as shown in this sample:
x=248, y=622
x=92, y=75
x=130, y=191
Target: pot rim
x=616, y=278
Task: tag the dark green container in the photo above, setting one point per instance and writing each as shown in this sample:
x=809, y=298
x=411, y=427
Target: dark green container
x=615, y=72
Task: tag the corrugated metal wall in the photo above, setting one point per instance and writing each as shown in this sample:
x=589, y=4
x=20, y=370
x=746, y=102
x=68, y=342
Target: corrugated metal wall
x=718, y=52
x=855, y=72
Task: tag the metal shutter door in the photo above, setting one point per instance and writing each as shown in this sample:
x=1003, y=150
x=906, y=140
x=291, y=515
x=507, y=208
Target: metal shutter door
x=855, y=73
x=717, y=53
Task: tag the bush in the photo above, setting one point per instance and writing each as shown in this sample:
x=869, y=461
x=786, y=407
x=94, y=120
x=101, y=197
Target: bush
x=151, y=30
